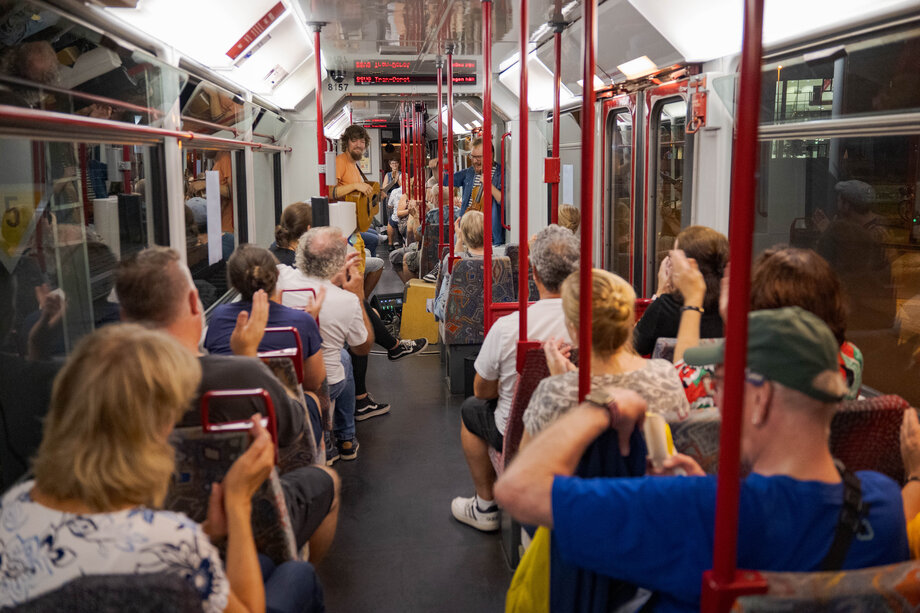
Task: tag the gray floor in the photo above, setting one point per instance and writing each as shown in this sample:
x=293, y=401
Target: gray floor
x=398, y=548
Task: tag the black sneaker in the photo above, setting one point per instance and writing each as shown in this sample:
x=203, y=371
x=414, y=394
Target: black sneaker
x=348, y=450
x=406, y=347
x=366, y=407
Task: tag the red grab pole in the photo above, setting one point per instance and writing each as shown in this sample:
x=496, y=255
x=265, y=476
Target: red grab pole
x=557, y=92
x=450, y=145
x=440, y=161
x=402, y=151
x=320, y=132
x=504, y=218
x=587, y=199
x=487, y=162
x=523, y=259
x=724, y=583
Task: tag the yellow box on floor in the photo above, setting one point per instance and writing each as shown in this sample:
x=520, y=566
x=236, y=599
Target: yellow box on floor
x=416, y=321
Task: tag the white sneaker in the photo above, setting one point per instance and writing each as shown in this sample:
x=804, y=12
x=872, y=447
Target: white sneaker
x=465, y=511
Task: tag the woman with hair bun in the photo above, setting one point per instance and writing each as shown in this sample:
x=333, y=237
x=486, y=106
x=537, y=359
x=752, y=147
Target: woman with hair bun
x=253, y=272
x=296, y=219
x=614, y=362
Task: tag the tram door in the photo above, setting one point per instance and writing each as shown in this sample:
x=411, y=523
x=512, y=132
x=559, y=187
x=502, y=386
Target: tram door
x=668, y=185
x=619, y=223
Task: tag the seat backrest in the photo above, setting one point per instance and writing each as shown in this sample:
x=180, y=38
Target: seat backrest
x=428, y=251
x=895, y=587
x=513, y=253
x=141, y=593
x=463, y=314
x=534, y=371
x=864, y=434
x=203, y=459
x=664, y=348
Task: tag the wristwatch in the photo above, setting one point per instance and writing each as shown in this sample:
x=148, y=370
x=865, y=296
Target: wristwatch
x=604, y=400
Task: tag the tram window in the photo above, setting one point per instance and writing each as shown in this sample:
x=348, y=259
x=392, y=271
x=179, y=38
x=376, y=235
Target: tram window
x=855, y=201
x=212, y=227
x=49, y=62
x=620, y=156
x=70, y=212
x=667, y=197
x=863, y=76
x=209, y=109
x=268, y=211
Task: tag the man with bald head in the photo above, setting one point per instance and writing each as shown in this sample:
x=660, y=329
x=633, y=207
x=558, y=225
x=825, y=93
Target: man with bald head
x=155, y=287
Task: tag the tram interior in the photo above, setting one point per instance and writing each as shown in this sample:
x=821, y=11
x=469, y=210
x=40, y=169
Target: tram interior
x=126, y=124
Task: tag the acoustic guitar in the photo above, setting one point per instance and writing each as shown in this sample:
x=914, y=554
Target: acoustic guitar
x=365, y=206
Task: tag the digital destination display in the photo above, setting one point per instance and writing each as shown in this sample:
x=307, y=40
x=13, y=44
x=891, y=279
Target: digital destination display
x=402, y=65
x=410, y=79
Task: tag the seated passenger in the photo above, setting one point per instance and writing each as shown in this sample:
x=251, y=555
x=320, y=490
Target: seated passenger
x=569, y=217
x=470, y=244
x=104, y=467
x=614, y=362
x=910, y=453
x=657, y=532
x=781, y=277
x=662, y=318
x=155, y=288
x=249, y=270
x=484, y=416
x=296, y=219
x=322, y=264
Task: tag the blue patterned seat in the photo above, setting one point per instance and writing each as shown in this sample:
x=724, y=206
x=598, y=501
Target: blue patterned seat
x=428, y=252
x=204, y=458
x=513, y=253
x=463, y=315
x=141, y=593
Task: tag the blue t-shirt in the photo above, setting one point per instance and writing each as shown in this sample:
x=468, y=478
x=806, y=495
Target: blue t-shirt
x=657, y=532
x=223, y=321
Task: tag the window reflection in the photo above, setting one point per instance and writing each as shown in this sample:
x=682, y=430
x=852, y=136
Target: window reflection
x=209, y=219
x=854, y=201
x=671, y=120
x=620, y=191
x=70, y=212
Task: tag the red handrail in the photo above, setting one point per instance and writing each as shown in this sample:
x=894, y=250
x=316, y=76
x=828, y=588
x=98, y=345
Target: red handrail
x=557, y=92
x=403, y=154
x=210, y=124
x=207, y=426
x=450, y=144
x=523, y=205
x=724, y=583
x=587, y=199
x=487, y=164
x=17, y=115
x=83, y=95
x=504, y=218
x=320, y=131
x=441, y=162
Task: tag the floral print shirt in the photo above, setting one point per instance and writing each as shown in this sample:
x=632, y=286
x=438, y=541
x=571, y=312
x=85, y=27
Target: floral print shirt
x=42, y=549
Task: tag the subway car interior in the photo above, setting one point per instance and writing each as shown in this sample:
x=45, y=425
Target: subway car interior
x=235, y=140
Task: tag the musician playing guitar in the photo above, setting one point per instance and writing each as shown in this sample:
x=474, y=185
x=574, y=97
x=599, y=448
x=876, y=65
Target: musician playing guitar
x=469, y=180
x=351, y=181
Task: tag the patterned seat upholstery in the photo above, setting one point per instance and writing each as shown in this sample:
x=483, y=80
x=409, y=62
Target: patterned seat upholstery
x=664, y=346
x=141, y=593
x=428, y=252
x=893, y=588
x=203, y=459
x=513, y=253
x=463, y=314
x=698, y=437
x=864, y=435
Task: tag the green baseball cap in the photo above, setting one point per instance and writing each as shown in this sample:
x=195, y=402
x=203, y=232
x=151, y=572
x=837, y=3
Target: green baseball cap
x=790, y=346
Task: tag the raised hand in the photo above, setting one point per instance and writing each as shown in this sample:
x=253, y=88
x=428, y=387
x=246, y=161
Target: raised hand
x=249, y=470
x=687, y=278
x=557, y=356
x=317, y=305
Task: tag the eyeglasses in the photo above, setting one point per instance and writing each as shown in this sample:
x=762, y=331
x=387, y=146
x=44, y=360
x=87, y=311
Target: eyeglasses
x=717, y=382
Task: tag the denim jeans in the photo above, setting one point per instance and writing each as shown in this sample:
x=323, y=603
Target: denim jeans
x=291, y=587
x=343, y=393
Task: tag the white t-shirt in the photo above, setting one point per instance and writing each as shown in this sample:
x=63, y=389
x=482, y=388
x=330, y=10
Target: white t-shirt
x=393, y=202
x=497, y=360
x=42, y=549
x=341, y=318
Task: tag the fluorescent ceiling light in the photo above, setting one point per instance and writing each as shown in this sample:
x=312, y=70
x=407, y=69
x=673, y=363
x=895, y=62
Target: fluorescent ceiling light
x=458, y=129
x=598, y=83
x=509, y=61
x=467, y=127
x=540, y=84
x=703, y=30
x=476, y=123
x=639, y=67
x=335, y=127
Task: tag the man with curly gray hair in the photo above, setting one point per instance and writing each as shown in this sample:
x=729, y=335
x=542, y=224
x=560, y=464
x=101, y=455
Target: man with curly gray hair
x=554, y=255
x=324, y=268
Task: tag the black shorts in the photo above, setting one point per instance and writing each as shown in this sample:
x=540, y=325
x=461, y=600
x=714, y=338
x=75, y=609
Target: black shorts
x=308, y=492
x=479, y=418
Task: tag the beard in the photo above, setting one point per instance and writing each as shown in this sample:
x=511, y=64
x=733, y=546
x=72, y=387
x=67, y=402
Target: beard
x=356, y=156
